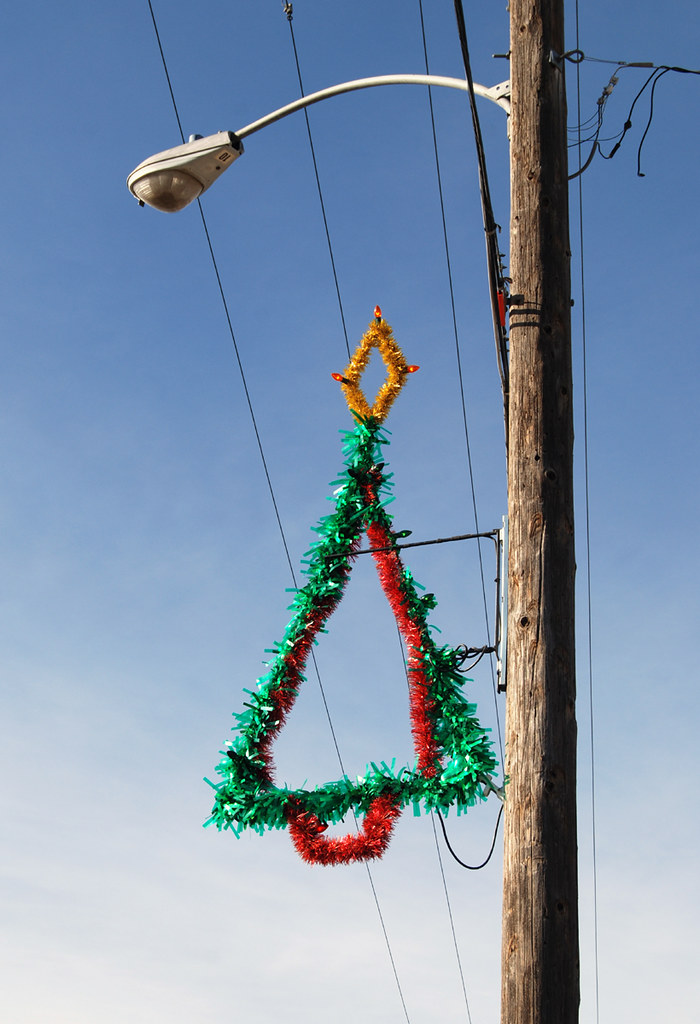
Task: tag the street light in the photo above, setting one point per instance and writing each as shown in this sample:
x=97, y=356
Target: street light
x=171, y=180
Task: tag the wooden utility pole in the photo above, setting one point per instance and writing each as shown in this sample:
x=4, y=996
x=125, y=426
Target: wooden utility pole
x=540, y=907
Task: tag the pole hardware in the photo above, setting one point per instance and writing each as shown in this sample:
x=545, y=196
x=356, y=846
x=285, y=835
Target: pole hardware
x=575, y=56
x=499, y=538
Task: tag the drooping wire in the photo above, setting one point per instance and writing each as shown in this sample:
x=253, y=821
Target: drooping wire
x=651, y=117
x=588, y=546
x=657, y=73
x=470, y=867
x=289, y=11
x=478, y=867
x=628, y=122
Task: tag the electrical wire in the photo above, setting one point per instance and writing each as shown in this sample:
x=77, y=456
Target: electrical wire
x=452, y=923
x=598, y=117
x=289, y=11
x=588, y=546
x=472, y=867
x=227, y=312
x=165, y=69
x=439, y=857
x=651, y=116
x=386, y=940
x=657, y=73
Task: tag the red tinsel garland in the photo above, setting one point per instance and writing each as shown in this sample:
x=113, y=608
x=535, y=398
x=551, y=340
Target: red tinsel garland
x=390, y=569
x=307, y=831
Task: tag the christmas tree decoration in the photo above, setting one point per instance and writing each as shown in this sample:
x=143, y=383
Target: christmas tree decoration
x=454, y=762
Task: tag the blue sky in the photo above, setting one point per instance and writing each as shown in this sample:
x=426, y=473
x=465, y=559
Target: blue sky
x=143, y=571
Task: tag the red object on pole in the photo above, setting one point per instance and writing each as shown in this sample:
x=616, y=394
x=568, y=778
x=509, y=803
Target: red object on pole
x=502, y=308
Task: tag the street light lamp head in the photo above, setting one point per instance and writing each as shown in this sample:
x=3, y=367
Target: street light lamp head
x=170, y=180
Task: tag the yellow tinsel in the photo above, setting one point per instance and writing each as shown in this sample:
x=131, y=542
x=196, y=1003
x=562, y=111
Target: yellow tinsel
x=378, y=335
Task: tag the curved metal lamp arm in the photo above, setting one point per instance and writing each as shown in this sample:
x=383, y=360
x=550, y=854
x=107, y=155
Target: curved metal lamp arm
x=499, y=94
x=171, y=180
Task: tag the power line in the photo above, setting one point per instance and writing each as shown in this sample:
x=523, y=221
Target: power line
x=165, y=68
x=227, y=312
x=289, y=11
x=658, y=71
x=452, y=923
x=439, y=857
x=588, y=539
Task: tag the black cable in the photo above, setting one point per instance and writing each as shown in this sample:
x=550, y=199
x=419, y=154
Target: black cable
x=497, y=282
x=165, y=68
x=472, y=867
x=628, y=122
x=651, y=116
x=468, y=668
x=657, y=72
x=247, y=393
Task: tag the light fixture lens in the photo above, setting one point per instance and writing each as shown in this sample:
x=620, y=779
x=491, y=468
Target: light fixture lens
x=167, y=190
